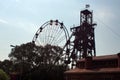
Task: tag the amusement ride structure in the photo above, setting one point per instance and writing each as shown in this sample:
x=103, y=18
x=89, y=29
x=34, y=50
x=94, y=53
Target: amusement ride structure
x=78, y=49
x=53, y=33
x=80, y=44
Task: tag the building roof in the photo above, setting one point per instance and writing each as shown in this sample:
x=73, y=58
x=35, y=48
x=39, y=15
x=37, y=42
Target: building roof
x=104, y=57
x=97, y=70
x=87, y=71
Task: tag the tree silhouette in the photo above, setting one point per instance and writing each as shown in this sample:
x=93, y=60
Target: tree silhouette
x=3, y=75
x=6, y=65
x=32, y=60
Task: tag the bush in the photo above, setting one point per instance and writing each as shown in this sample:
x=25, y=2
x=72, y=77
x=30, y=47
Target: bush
x=3, y=75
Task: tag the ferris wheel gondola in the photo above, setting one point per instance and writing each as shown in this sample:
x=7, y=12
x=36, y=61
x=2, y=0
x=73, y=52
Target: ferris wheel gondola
x=53, y=33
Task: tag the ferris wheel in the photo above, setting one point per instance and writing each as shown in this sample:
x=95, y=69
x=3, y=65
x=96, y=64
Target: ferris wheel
x=51, y=32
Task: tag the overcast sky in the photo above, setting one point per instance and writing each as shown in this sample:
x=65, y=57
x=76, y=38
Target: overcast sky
x=20, y=19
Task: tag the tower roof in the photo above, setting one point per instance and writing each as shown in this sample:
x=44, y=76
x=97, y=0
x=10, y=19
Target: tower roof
x=86, y=11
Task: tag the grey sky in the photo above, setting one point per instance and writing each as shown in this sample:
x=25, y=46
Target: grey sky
x=20, y=19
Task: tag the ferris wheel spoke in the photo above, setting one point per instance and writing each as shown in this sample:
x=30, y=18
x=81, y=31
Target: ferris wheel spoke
x=44, y=37
x=48, y=34
x=37, y=42
x=58, y=35
x=54, y=33
x=60, y=40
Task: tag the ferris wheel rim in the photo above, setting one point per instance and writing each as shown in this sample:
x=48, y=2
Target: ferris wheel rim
x=66, y=33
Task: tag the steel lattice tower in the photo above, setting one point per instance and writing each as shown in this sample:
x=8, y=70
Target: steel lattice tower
x=84, y=38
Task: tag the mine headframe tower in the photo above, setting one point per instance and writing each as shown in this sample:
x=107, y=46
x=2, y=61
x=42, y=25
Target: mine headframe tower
x=84, y=38
x=84, y=41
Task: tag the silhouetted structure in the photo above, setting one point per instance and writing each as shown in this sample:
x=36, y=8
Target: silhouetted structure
x=88, y=65
x=96, y=68
x=84, y=42
x=82, y=39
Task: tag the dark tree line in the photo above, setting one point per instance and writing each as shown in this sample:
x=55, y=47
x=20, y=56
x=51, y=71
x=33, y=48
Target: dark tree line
x=35, y=62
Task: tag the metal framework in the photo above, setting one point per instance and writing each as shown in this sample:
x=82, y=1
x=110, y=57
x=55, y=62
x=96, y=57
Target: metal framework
x=51, y=32
x=82, y=39
x=81, y=43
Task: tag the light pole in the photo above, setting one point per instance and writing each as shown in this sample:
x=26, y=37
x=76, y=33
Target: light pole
x=12, y=46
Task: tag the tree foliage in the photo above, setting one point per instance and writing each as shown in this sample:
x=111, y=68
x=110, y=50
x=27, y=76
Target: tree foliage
x=6, y=65
x=33, y=55
x=3, y=75
x=40, y=61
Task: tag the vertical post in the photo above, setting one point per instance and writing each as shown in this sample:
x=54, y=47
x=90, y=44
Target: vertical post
x=88, y=62
x=118, y=60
